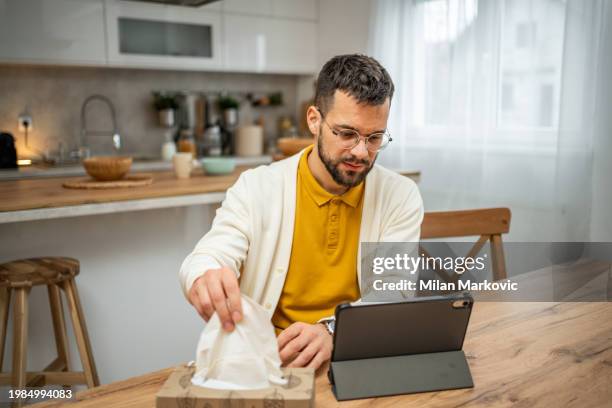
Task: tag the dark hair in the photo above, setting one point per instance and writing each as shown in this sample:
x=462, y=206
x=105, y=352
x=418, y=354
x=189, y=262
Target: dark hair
x=360, y=76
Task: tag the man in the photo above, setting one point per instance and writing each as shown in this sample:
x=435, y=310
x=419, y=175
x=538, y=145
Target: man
x=288, y=234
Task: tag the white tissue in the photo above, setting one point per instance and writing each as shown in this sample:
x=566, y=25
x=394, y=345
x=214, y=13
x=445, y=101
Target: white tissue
x=244, y=359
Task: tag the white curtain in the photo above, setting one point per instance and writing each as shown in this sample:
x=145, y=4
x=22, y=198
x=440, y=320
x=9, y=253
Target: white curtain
x=496, y=104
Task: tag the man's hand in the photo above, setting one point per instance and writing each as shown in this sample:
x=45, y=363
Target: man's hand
x=217, y=291
x=305, y=345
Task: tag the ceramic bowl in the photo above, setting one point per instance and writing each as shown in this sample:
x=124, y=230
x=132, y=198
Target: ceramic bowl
x=218, y=165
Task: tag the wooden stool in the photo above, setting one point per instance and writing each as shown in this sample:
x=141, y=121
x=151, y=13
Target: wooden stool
x=16, y=279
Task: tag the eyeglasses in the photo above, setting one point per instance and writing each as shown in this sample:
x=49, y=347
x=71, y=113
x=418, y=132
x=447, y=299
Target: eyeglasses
x=349, y=138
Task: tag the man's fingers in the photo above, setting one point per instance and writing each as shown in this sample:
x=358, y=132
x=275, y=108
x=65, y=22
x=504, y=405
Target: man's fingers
x=230, y=285
x=306, y=355
x=294, y=346
x=205, y=304
x=194, y=299
x=288, y=334
x=318, y=359
x=199, y=309
x=217, y=296
x=193, y=291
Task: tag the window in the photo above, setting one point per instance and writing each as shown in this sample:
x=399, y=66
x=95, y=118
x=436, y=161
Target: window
x=530, y=59
x=525, y=34
x=508, y=97
x=546, y=105
x=491, y=66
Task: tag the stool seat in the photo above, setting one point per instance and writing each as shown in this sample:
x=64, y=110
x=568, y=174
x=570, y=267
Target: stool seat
x=58, y=274
x=37, y=271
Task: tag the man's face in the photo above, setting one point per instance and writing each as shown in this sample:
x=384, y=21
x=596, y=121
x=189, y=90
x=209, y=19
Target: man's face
x=349, y=167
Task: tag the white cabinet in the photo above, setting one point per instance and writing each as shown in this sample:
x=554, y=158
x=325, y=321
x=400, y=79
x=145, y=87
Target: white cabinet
x=159, y=36
x=299, y=9
x=256, y=7
x=261, y=44
x=268, y=36
x=53, y=32
x=303, y=9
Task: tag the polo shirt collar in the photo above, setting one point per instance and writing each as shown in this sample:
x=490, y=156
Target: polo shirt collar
x=321, y=196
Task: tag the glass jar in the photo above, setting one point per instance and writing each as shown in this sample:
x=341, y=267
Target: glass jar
x=212, y=141
x=186, y=142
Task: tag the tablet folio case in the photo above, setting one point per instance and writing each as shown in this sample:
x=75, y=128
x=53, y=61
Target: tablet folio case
x=388, y=359
x=384, y=376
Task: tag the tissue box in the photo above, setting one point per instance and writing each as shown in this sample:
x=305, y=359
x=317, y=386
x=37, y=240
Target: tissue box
x=178, y=392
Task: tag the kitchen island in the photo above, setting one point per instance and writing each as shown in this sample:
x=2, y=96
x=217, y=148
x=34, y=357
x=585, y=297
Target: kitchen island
x=130, y=243
x=32, y=199
x=46, y=198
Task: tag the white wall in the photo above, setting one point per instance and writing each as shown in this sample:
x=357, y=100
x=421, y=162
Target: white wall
x=137, y=316
x=343, y=27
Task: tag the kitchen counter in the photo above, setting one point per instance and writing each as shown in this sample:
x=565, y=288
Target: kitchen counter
x=142, y=165
x=36, y=199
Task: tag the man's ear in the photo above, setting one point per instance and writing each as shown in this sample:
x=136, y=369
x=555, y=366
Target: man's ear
x=313, y=118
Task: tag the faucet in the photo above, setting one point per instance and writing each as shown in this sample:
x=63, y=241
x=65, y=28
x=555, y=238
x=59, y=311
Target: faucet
x=84, y=131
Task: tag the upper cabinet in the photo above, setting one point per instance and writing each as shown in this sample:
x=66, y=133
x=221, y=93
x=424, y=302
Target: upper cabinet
x=303, y=9
x=259, y=44
x=267, y=36
x=298, y=9
x=159, y=36
x=253, y=7
x=273, y=36
x=52, y=32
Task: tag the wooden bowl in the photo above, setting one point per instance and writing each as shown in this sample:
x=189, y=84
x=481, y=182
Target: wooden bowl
x=107, y=168
x=290, y=145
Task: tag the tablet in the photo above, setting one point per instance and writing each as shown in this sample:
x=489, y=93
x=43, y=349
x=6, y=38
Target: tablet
x=423, y=325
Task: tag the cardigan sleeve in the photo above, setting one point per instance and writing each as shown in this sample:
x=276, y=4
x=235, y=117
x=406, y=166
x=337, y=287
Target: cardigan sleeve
x=227, y=242
x=403, y=218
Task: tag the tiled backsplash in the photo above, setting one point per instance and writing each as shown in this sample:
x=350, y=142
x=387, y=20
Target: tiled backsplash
x=54, y=96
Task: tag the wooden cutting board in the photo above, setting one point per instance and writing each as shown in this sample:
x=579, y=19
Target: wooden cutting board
x=136, y=180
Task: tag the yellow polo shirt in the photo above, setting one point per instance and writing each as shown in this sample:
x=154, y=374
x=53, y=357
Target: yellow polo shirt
x=323, y=267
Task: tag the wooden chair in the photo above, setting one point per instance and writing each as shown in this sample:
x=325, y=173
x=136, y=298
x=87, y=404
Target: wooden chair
x=487, y=223
x=16, y=280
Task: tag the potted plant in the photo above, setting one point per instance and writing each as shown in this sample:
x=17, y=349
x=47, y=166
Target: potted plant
x=229, y=106
x=165, y=105
x=276, y=99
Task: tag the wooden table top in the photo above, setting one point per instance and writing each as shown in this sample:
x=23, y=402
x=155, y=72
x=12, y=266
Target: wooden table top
x=32, y=194
x=529, y=354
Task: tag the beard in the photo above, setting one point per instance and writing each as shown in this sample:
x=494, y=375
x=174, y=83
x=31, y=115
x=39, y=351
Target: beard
x=346, y=178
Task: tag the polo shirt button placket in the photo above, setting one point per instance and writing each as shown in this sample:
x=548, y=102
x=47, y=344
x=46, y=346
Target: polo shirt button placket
x=333, y=224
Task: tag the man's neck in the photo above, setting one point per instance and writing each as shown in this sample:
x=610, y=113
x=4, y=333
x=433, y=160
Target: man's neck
x=320, y=173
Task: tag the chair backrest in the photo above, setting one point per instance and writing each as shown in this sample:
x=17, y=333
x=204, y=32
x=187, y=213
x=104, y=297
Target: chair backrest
x=487, y=223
